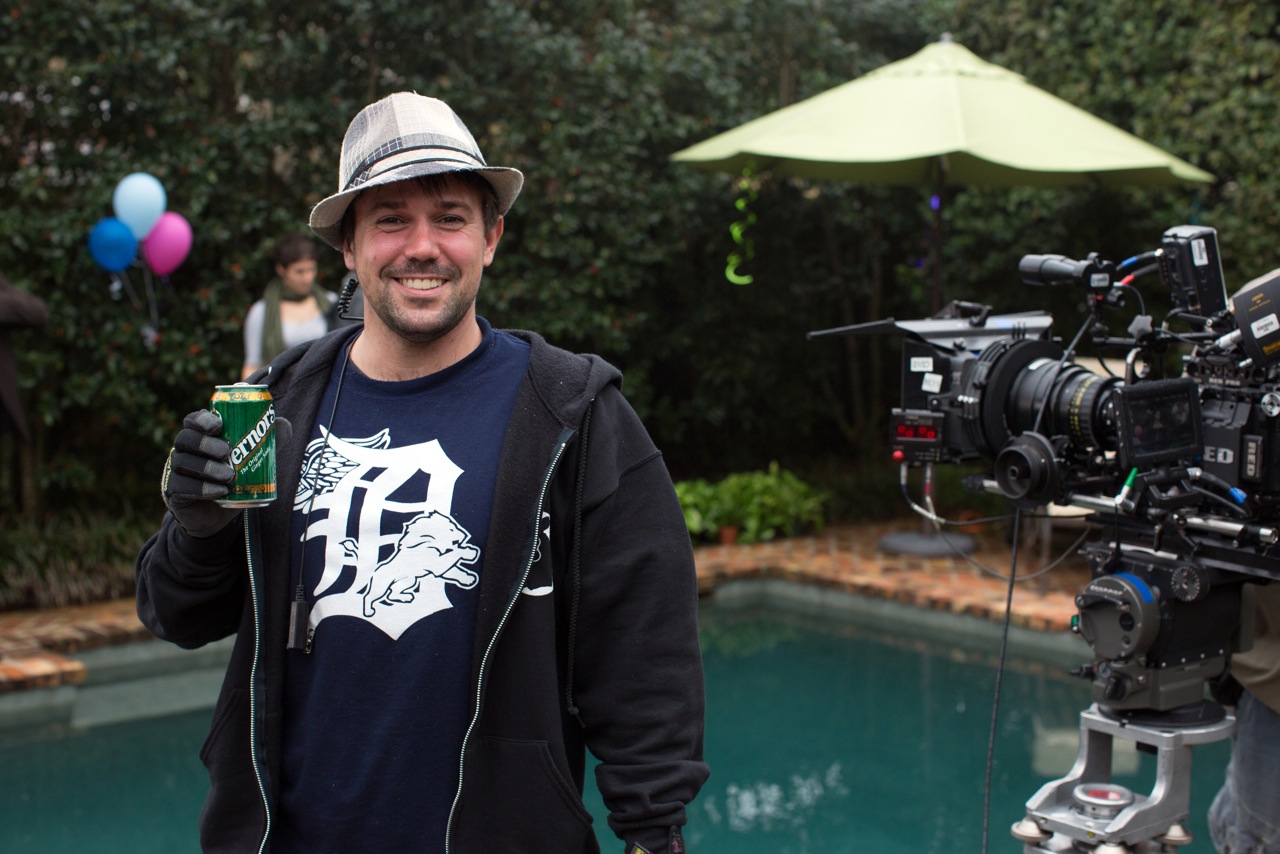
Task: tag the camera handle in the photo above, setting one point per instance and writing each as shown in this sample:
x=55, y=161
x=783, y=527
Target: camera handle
x=975, y=313
x=1242, y=533
x=1086, y=807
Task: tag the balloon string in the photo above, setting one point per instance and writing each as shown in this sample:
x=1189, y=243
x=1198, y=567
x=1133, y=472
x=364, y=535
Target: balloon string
x=737, y=230
x=123, y=279
x=152, y=310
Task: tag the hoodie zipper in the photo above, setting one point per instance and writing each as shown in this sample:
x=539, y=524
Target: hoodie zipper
x=561, y=444
x=253, y=687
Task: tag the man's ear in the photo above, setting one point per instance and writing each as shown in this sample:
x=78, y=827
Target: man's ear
x=491, y=240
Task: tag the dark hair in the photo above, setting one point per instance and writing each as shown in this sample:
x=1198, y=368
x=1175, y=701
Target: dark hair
x=293, y=248
x=431, y=183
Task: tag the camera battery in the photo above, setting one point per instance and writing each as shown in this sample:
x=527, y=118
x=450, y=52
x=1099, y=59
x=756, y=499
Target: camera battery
x=1192, y=269
x=1256, y=307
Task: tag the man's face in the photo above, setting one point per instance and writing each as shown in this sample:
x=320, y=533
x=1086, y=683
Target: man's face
x=419, y=255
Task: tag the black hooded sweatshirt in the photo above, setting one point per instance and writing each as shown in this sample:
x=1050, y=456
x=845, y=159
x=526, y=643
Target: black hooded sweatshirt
x=609, y=661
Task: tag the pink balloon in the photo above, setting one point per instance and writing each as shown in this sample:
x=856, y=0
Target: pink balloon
x=167, y=244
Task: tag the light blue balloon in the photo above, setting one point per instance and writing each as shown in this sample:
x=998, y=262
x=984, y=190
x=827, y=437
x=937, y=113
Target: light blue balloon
x=138, y=201
x=112, y=244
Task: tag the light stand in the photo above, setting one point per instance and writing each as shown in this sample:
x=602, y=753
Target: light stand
x=929, y=541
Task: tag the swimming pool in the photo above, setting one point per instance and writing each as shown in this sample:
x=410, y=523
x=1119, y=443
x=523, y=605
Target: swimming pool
x=857, y=732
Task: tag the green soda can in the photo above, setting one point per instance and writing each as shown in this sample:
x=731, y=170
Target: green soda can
x=248, y=425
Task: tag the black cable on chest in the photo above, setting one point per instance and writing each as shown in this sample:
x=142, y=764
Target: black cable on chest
x=300, y=633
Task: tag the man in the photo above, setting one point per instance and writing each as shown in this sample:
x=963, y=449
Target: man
x=483, y=567
x=1245, y=815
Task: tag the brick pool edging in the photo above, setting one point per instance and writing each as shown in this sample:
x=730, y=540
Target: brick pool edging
x=37, y=648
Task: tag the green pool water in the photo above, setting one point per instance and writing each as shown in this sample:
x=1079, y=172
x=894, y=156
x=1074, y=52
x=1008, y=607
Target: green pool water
x=824, y=735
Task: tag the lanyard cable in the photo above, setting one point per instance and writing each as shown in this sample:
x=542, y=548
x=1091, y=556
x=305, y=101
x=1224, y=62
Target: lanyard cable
x=300, y=609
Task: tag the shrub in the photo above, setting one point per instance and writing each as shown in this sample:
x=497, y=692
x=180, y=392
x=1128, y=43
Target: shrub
x=762, y=505
x=696, y=497
x=72, y=559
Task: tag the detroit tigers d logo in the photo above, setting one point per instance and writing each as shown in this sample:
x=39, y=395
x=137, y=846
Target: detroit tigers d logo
x=407, y=545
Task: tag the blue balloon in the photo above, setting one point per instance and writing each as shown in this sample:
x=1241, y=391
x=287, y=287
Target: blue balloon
x=138, y=201
x=112, y=244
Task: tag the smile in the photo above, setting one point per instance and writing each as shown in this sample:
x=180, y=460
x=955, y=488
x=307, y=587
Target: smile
x=422, y=284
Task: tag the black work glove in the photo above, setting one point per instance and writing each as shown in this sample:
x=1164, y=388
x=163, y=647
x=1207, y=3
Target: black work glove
x=197, y=474
x=675, y=843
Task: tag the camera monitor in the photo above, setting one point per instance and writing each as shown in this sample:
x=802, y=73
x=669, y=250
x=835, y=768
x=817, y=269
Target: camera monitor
x=1159, y=423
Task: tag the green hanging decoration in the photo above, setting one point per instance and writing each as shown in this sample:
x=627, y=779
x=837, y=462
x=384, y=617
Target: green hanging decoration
x=746, y=246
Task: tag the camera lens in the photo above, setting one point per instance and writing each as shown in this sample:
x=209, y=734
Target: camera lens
x=1076, y=403
x=1010, y=383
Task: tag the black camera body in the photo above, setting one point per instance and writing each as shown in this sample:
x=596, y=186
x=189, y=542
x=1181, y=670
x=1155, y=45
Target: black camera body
x=1181, y=474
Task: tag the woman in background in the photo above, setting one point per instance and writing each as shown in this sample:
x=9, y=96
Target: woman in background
x=293, y=309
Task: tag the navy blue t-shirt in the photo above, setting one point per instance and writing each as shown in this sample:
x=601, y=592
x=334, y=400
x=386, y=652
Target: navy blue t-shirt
x=394, y=500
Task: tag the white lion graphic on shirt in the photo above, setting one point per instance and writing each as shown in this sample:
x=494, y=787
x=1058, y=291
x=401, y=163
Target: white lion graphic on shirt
x=389, y=550
x=432, y=544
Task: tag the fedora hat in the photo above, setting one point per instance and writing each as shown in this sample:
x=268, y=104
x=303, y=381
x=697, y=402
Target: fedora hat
x=406, y=135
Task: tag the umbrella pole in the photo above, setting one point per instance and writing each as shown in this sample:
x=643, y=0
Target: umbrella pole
x=936, y=248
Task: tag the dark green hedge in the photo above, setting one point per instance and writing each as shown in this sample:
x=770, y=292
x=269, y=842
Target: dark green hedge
x=239, y=108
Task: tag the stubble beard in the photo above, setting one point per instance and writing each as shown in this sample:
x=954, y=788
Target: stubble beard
x=414, y=330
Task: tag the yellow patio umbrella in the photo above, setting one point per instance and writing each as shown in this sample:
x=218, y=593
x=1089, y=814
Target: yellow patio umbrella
x=941, y=117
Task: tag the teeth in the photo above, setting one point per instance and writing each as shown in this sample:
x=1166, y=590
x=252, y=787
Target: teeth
x=422, y=284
